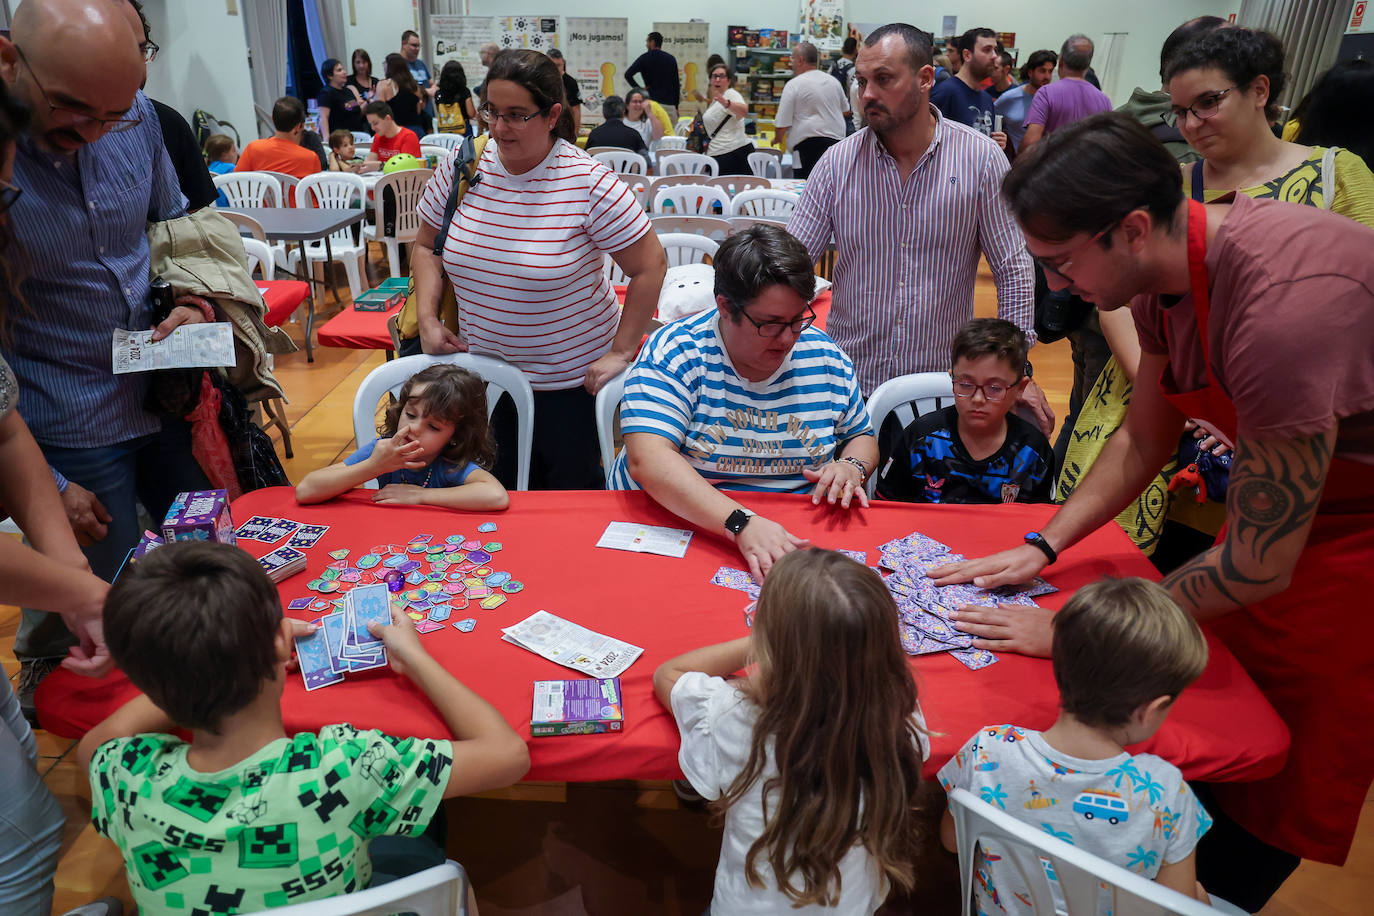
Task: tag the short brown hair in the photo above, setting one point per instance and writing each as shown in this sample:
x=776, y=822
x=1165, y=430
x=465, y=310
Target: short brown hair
x=1120, y=643
x=990, y=337
x=218, y=146
x=288, y=113
x=338, y=138
x=193, y=625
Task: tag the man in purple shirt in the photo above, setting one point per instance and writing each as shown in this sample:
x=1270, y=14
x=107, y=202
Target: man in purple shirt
x=1070, y=99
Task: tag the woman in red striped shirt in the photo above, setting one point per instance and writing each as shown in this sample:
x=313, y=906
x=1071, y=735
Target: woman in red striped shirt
x=525, y=254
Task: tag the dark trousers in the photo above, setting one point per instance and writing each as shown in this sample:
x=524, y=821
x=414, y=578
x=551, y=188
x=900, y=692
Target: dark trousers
x=735, y=162
x=809, y=152
x=1236, y=865
x=565, y=453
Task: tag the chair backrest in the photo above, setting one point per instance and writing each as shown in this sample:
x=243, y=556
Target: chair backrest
x=740, y=223
x=682, y=248
x=614, y=275
x=607, y=405
x=735, y=184
x=639, y=184
x=259, y=255
x=250, y=189
x=690, y=200
x=684, y=163
x=438, y=891
x=763, y=202
x=668, y=142
x=908, y=396
x=449, y=142
x=499, y=375
x=1079, y=876
x=622, y=160
x=408, y=186
x=362, y=136
x=440, y=153
x=765, y=165
x=287, y=182
x=712, y=227
x=244, y=221
x=332, y=191
x=673, y=181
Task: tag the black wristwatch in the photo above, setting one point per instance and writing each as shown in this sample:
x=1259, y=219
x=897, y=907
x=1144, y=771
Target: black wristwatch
x=1037, y=540
x=736, y=521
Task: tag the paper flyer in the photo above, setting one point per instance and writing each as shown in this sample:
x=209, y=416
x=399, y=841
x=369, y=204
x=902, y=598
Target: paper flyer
x=571, y=645
x=190, y=346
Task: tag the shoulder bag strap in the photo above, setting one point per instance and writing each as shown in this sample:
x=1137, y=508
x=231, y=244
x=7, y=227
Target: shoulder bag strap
x=1328, y=178
x=463, y=173
x=1196, y=182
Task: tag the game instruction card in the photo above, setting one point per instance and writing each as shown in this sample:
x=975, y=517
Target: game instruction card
x=631, y=536
x=190, y=346
x=571, y=645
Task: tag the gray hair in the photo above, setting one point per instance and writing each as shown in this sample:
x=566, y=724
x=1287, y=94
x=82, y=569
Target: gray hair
x=806, y=52
x=1076, y=55
x=613, y=108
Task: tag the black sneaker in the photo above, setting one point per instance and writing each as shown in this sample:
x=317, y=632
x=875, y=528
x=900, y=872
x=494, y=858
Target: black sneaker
x=31, y=674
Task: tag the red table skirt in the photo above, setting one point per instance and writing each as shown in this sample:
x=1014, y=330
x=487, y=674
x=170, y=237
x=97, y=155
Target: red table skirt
x=282, y=297
x=1222, y=728
x=367, y=330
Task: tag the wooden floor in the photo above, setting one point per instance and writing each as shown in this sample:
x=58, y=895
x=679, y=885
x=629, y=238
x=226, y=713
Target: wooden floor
x=604, y=848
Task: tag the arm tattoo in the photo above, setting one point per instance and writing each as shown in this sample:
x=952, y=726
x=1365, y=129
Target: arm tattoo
x=1274, y=492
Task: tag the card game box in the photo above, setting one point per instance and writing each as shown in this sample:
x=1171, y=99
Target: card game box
x=379, y=300
x=392, y=284
x=199, y=515
x=584, y=706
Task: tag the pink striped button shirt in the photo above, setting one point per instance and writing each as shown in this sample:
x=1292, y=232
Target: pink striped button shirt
x=907, y=251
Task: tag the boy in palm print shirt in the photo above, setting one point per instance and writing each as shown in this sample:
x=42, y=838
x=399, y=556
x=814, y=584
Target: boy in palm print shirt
x=1123, y=651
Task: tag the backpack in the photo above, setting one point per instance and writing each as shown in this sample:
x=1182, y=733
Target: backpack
x=207, y=125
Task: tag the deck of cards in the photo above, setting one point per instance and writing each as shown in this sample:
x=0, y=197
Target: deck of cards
x=282, y=563
x=343, y=643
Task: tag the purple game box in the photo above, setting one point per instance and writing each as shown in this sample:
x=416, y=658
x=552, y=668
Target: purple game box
x=584, y=706
x=200, y=515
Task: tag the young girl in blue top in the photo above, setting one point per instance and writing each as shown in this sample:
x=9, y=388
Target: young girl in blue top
x=434, y=446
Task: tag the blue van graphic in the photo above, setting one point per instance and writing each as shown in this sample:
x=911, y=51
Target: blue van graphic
x=1107, y=805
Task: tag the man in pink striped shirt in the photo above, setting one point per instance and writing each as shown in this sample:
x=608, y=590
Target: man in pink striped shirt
x=911, y=203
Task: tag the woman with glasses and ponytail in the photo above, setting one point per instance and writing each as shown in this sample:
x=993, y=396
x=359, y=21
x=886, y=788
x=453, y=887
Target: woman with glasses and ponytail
x=747, y=396
x=525, y=252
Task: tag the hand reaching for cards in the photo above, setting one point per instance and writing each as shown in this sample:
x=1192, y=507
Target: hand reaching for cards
x=1010, y=567
x=399, y=494
x=764, y=542
x=1007, y=627
x=838, y=480
x=401, y=640
x=397, y=453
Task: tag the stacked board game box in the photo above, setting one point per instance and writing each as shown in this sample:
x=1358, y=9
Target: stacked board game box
x=379, y=300
x=583, y=706
x=199, y=515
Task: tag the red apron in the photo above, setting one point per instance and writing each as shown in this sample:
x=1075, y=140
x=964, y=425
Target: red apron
x=1304, y=647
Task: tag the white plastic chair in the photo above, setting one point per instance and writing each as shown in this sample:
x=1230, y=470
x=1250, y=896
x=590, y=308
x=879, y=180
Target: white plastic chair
x=499, y=375
x=765, y=165
x=1079, y=875
x=736, y=184
x=614, y=275
x=407, y=186
x=361, y=136
x=438, y=891
x=668, y=142
x=250, y=189
x=260, y=258
x=763, y=202
x=908, y=396
x=440, y=153
x=607, y=405
x=254, y=228
x=712, y=227
x=639, y=184
x=684, y=248
x=333, y=191
x=740, y=223
x=691, y=200
x=687, y=164
x=449, y=142
x=627, y=161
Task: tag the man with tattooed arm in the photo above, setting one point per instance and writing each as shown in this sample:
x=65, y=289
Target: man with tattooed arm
x=1257, y=317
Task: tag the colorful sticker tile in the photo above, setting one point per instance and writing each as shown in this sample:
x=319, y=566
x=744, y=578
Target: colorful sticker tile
x=466, y=625
x=480, y=591
x=368, y=561
x=497, y=578
x=479, y=556
x=425, y=626
x=491, y=602
x=297, y=604
x=486, y=526
x=492, y=547
x=340, y=554
x=513, y=586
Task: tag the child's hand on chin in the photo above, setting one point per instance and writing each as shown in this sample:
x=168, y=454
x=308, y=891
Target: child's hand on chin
x=401, y=640
x=397, y=453
x=399, y=494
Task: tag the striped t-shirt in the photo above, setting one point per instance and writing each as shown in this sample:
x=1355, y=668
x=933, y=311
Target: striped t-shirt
x=524, y=255
x=738, y=434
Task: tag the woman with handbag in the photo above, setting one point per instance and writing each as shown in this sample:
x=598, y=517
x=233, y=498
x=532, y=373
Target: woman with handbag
x=724, y=123
x=524, y=250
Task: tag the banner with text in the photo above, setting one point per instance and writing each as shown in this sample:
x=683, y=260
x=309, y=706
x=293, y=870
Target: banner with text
x=688, y=42
x=596, y=51
x=461, y=38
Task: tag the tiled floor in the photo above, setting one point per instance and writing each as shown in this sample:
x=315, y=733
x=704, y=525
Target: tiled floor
x=619, y=848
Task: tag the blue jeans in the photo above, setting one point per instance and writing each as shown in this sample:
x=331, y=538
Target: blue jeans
x=150, y=469
x=30, y=819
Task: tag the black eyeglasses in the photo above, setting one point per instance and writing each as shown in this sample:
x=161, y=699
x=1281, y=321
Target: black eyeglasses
x=149, y=49
x=1203, y=109
x=491, y=116
x=8, y=195
x=70, y=117
x=1058, y=269
x=775, y=328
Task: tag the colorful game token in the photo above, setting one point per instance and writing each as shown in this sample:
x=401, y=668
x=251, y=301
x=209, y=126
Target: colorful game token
x=422, y=539
x=491, y=602
x=314, y=584
x=482, y=572
x=466, y=625
x=408, y=566
x=297, y=604
x=455, y=587
x=416, y=614
x=473, y=582
x=467, y=565
x=492, y=546
x=416, y=548
x=351, y=575
x=480, y=591
x=453, y=548
x=330, y=575
x=394, y=548
x=513, y=586
x=416, y=594
x=441, y=613
x=340, y=565
x=380, y=549
x=439, y=597
x=471, y=544
x=435, y=577
x=395, y=582
x=340, y=554
x=415, y=578
x=497, y=578
x=454, y=539
x=427, y=626
x=458, y=603
x=345, y=586
x=368, y=561
x=319, y=604
x=367, y=578
x=479, y=556
x=487, y=526
x=392, y=562
x=327, y=587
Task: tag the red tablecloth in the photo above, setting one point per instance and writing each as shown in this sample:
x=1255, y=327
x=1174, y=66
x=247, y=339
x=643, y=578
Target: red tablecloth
x=1221, y=728
x=367, y=330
